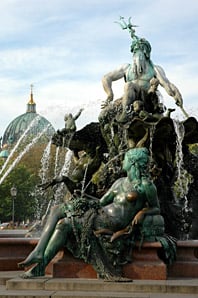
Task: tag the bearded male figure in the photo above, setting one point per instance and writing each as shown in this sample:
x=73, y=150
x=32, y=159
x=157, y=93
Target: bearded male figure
x=142, y=78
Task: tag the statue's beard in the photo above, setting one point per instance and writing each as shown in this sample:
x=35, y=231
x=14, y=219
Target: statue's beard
x=139, y=63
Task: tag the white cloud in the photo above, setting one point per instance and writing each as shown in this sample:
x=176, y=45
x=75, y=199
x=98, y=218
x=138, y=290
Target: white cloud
x=64, y=48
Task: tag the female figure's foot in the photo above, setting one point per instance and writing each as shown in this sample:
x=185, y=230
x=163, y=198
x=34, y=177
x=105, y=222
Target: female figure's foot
x=34, y=258
x=37, y=270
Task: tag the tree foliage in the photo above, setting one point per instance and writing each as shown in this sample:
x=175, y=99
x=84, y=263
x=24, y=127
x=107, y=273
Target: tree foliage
x=25, y=176
x=24, y=204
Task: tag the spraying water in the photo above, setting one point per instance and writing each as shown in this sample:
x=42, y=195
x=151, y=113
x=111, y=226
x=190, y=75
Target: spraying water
x=151, y=135
x=23, y=136
x=179, y=129
x=45, y=162
x=64, y=171
x=27, y=148
x=67, y=163
x=84, y=179
x=56, y=161
x=181, y=185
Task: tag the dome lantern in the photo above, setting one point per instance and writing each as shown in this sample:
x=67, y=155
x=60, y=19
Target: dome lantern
x=19, y=125
x=31, y=106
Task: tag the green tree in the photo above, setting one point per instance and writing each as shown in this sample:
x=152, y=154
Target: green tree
x=30, y=203
x=25, y=202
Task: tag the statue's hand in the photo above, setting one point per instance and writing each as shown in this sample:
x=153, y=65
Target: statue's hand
x=177, y=96
x=138, y=217
x=179, y=102
x=107, y=102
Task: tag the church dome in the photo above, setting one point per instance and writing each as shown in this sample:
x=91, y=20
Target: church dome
x=29, y=122
x=4, y=152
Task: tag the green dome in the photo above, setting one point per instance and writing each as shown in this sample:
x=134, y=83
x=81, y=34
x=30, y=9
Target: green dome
x=29, y=119
x=4, y=154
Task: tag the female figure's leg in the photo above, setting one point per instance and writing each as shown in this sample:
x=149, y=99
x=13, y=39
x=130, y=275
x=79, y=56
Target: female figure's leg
x=36, y=256
x=56, y=242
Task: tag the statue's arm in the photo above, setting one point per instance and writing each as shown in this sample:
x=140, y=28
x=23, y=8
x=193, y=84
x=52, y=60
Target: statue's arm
x=113, y=191
x=114, y=75
x=151, y=198
x=53, y=182
x=68, y=182
x=170, y=88
x=151, y=202
x=78, y=114
x=107, y=198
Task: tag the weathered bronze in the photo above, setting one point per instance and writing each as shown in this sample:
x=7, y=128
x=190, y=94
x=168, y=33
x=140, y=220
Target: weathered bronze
x=108, y=211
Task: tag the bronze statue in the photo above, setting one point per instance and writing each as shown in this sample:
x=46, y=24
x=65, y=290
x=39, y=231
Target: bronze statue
x=70, y=123
x=125, y=205
x=141, y=77
x=133, y=136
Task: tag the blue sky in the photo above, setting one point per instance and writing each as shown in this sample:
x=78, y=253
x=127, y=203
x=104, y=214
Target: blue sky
x=64, y=47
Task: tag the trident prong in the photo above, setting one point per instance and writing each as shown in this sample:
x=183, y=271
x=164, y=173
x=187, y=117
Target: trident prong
x=129, y=26
x=123, y=24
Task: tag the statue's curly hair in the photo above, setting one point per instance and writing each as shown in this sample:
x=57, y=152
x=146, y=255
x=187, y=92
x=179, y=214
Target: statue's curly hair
x=140, y=158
